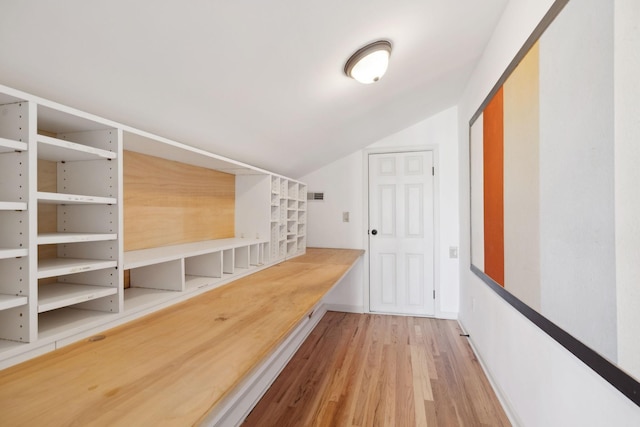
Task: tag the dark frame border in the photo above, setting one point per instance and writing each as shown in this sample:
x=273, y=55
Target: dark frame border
x=618, y=378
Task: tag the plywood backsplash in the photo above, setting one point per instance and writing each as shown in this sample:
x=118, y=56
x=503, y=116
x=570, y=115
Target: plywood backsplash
x=167, y=202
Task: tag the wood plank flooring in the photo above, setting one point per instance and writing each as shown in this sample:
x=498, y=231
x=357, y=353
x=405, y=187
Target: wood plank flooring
x=374, y=370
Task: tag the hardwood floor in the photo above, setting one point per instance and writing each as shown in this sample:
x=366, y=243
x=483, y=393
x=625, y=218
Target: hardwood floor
x=374, y=370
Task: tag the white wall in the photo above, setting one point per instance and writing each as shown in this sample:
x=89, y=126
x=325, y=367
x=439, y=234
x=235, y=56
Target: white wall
x=542, y=383
x=627, y=153
x=577, y=248
x=344, y=186
x=341, y=182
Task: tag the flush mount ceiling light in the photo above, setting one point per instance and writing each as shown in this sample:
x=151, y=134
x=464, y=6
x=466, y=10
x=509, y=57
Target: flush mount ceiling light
x=369, y=63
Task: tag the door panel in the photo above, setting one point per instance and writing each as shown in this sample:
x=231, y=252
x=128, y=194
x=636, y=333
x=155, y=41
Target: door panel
x=388, y=276
x=401, y=252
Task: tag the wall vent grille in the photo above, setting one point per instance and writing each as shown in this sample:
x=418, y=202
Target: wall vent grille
x=315, y=195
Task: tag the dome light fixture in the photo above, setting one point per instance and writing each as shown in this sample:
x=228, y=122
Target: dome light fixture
x=369, y=63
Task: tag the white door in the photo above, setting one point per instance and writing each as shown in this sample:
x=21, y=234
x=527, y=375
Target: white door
x=401, y=246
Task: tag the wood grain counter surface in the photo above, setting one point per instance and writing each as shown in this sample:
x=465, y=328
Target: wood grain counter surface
x=173, y=366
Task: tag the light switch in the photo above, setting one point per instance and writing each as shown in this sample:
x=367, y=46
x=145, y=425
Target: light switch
x=345, y=216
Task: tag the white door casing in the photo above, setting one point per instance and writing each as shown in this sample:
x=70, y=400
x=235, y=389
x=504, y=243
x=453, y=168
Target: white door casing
x=401, y=252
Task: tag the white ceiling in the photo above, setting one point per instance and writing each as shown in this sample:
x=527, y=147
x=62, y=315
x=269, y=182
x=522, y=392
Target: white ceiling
x=257, y=81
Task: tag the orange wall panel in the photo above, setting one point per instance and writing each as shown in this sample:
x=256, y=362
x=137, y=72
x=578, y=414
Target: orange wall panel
x=493, y=136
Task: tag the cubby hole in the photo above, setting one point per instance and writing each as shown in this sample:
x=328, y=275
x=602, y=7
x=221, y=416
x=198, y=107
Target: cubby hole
x=203, y=270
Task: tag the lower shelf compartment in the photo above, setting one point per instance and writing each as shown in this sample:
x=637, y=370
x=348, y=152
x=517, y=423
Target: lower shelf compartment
x=67, y=321
x=57, y=295
x=11, y=301
x=136, y=299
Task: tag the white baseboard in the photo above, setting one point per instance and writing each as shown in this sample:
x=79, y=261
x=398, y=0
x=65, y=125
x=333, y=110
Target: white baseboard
x=502, y=397
x=448, y=315
x=345, y=308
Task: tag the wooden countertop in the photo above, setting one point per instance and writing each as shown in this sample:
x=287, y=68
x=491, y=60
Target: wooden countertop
x=173, y=366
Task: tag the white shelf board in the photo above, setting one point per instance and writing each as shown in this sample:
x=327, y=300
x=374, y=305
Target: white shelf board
x=196, y=282
x=60, y=266
x=136, y=299
x=54, y=238
x=74, y=199
x=9, y=145
x=59, y=150
x=145, y=143
x=10, y=301
x=13, y=206
x=6, y=253
x=57, y=295
x=144, y=257
x=7, y=347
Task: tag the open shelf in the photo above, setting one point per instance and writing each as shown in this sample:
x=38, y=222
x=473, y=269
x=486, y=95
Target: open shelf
x=60, y=266
x=65, y=151
x=9, y=145
x=74, y=199
x=13, y=253
x=143, y=257
x=57, y=295
x=54, y=238
x=13, y=206
x=136, y=299
x=10, y=301
x=68, y=320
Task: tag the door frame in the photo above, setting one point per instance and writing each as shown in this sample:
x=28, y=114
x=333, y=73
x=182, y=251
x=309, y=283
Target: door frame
x=436, y=218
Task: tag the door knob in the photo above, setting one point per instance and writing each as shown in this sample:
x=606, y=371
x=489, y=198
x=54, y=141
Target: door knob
x=374, y=232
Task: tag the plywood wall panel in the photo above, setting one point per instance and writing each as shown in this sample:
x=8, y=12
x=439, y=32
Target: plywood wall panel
x=167, y=202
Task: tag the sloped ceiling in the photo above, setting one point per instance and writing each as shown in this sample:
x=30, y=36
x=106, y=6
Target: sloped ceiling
x=257, y=81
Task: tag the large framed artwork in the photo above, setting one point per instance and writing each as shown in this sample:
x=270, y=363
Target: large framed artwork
x=546, y=197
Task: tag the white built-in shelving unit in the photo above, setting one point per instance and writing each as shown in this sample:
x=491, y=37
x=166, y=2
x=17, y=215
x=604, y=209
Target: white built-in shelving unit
x=62, y=261
x=288, y=218
x=78, y=264
x=17, y=323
